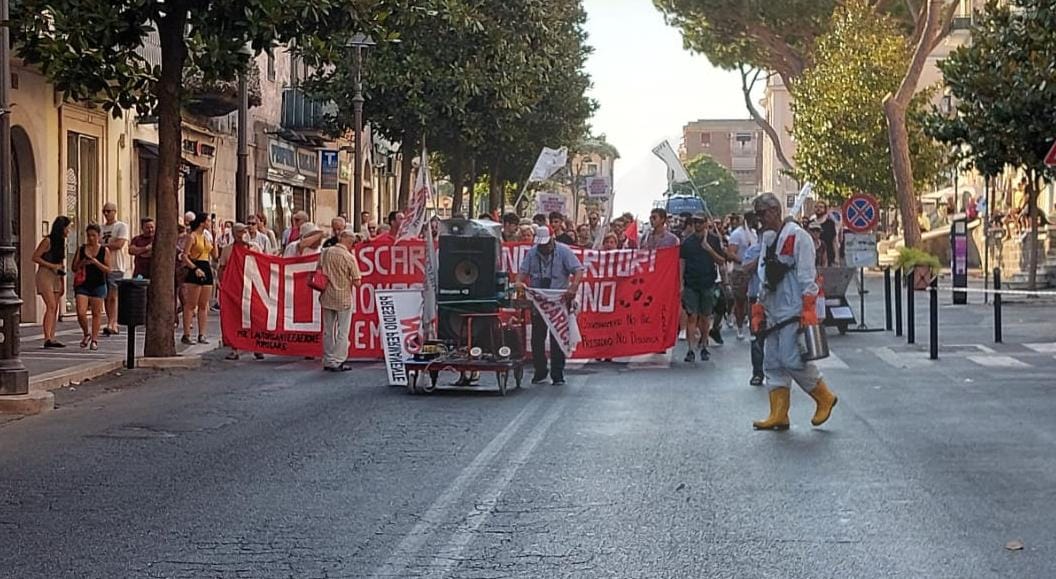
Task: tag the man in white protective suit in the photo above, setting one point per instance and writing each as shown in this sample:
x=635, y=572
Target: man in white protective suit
x=788, y=301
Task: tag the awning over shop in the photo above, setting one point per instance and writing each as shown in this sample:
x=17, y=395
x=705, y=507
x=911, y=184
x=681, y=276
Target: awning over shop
x=150, y=150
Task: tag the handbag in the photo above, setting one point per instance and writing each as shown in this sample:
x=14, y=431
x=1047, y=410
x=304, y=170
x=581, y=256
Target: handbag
x=318, y=280
x=80, y=276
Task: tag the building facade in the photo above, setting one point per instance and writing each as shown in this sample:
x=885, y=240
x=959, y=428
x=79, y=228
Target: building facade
x=70, y=158
x=735, y=144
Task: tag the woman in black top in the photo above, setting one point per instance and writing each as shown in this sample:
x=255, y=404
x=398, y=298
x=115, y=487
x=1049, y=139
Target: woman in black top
x=91, y=266
x=50, y=257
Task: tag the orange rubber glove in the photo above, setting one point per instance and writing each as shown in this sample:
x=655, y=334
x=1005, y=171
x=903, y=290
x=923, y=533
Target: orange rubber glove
x=809, y=317
x=758, y=317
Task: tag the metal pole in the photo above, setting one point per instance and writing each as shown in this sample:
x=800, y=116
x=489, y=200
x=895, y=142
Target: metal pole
x=911, y=321
x=933, y=310
x=898, y=302
x=14, y=378
x=861, y=299
x=242, y=171
x=130, y=357
x=997, y=305
x=357, y=170
x=986, y=234
x=887, y=299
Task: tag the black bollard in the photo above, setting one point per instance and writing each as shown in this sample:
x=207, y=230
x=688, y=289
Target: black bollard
x=898, y=302
x=911, y=321
x=887, y=298
x=130, y=360
x=997, y=305
x=933, y=310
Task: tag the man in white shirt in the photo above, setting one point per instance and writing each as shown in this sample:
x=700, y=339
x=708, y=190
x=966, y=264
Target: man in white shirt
x=742, y=238
x=258, y=238
x=115, y=237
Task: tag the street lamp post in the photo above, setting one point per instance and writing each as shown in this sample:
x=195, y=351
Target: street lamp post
x=358, y=42
x=14, y=378
x=242, y=171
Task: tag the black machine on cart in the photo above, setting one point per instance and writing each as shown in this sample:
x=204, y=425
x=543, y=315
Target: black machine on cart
x=481, y=328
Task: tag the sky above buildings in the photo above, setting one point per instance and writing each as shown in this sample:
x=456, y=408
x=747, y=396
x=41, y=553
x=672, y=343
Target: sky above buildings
x=648, y=87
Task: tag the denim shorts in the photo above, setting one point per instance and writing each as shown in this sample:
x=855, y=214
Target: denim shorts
x=92, y=292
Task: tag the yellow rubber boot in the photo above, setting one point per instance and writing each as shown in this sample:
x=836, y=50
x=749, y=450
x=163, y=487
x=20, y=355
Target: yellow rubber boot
x=826, y=401
x=778, y=419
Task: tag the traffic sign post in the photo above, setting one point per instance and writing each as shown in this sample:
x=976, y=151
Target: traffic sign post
x=861, y=214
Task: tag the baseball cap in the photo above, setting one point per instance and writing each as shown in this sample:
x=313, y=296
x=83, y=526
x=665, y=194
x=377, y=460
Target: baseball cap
x=700, y=215
x=542, y=235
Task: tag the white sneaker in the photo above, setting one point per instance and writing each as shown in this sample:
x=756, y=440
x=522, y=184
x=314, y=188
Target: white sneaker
x=682, y=335
x=740, y=333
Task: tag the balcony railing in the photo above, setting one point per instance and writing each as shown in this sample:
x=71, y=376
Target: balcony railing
x=302, y=113
x=961, y=23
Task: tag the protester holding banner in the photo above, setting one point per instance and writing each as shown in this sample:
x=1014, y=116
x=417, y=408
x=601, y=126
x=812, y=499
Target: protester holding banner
x=557, y=226
x=789, y=300
x=339, y=265
x=549, y=266
x=240, y=236
x=511, y=228
x=659, y=237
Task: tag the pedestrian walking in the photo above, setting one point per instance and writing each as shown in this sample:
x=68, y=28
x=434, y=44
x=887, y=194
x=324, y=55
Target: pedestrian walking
x=741, y=240
x=339, y=265
x=91, y=266
x=789, y=300
x=699, y=274
x=549, y=265
x=659, y=235
x=141, y=249
x=198, y=285
x=115, y=237
x=50, y=279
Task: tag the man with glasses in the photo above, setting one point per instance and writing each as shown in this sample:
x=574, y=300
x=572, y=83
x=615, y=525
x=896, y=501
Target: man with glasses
x=699, y=273
x=258, y=238
x=659, y=236
x=115, y=237
x=787, y=301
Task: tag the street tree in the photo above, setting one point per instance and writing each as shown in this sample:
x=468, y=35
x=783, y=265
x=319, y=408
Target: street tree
x=89, y=50
x=713, y=183
x=840, y=128
x=1004, y=86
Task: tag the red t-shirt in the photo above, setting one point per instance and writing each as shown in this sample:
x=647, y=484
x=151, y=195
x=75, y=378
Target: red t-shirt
x=141, y=263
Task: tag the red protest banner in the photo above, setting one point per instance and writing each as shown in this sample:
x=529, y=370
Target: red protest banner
x=629, y=300
x=267, y=306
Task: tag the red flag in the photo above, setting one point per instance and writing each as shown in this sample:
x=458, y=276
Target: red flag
x=632, y=231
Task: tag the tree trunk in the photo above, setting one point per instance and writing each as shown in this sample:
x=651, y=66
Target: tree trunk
x=407, y=155
x=771, y=132
x=902, y=166
x=929, y=29
x=1032, y=212
x=458, y=178
x=159, y=341
x=496, y=186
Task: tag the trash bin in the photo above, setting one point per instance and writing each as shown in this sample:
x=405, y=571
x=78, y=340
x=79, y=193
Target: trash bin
x=132, y=302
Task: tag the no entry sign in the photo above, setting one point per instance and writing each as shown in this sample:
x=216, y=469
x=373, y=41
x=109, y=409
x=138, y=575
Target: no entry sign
x=861, y=213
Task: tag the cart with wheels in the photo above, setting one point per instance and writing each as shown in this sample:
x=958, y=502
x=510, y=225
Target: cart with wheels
x=423, y=377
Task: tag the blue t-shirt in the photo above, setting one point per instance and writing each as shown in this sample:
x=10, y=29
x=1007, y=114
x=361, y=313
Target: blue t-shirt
x=699, y=272
x=558, y=267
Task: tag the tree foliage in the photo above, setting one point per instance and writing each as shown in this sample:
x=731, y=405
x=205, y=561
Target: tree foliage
x=840, y=129
x=1004, y=84
x=487, y=88
x=89, y=50
x=713, y=183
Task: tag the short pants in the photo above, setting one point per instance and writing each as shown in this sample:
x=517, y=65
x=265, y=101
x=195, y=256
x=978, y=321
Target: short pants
x=698, y=302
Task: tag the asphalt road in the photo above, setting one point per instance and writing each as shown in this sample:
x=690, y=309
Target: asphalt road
x=275, y=469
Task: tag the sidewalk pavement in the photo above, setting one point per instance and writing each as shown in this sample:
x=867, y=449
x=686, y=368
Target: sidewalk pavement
x=55, y=368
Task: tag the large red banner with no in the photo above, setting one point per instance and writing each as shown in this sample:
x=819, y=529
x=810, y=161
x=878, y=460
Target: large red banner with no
x=629, y=300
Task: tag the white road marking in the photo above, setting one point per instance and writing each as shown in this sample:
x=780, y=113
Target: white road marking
x=901, y=359
x=833, y=362
x=998, y=362
x=439, y=512
x=1046, y=348
x=447, y=557
x=980, y=347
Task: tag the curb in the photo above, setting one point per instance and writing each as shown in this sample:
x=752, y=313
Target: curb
x=36, y=402
x=189, y=358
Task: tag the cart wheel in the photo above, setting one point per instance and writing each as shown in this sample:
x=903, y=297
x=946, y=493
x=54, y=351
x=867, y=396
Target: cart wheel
x=434, y=376
x=518, y=375
x=504, y=380
x=412, y=382
x=842, y=328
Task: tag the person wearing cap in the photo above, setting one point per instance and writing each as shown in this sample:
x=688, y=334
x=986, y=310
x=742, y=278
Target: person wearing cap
x=549, y=265
x=788, y=301
x=699, y=273
x=309, y=239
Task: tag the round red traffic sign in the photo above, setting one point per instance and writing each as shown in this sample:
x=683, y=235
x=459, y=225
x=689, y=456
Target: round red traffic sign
x=861, y=213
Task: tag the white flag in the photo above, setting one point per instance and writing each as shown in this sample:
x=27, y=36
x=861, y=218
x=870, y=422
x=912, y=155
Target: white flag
x=400, y=324
x=559, y=318
x=674, y=165
x=802, y=198
x=414, y=214
x=550, y=161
